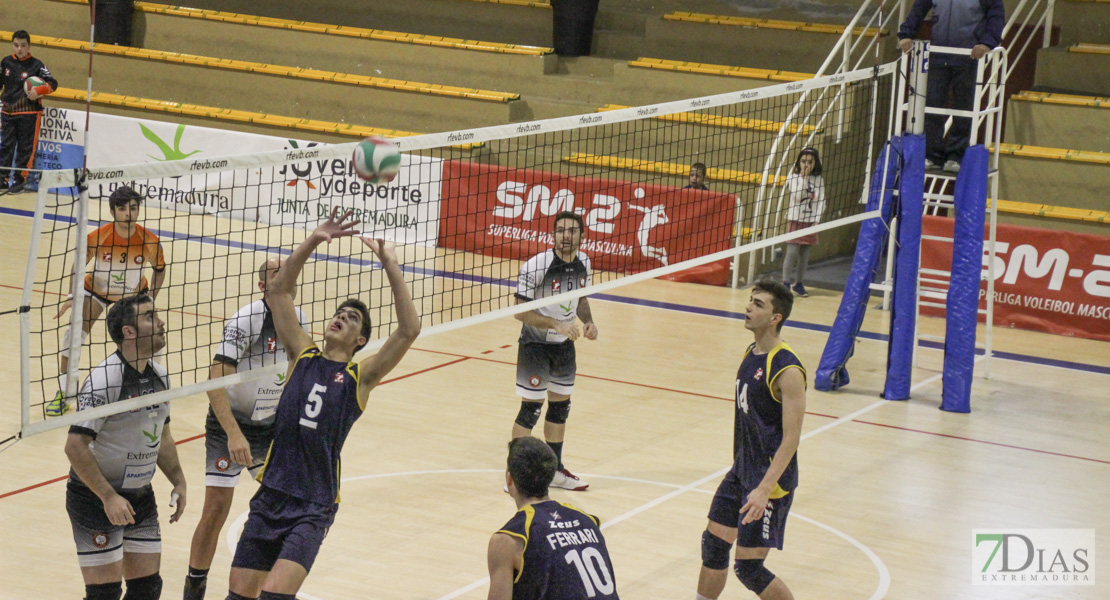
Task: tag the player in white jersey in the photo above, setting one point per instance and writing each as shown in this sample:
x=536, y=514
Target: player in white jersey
x=109, y=498
x=546, y=365
x=240, y=424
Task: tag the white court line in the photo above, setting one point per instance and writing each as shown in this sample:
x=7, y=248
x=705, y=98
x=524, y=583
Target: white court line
x=884, y=574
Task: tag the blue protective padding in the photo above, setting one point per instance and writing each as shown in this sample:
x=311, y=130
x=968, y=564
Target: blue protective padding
x=832, y=373
x=963, y=292
x=907, y=259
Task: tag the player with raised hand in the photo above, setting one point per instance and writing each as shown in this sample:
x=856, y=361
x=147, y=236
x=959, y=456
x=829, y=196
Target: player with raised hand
x=325, y=393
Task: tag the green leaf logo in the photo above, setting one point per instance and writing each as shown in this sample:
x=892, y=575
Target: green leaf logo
x=118, y=278
x=152, y=436
x=168, y=153
x=566, y=307
x=280, y=379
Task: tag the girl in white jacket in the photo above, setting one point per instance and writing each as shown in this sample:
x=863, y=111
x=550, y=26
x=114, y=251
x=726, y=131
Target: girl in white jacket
x=806, y=196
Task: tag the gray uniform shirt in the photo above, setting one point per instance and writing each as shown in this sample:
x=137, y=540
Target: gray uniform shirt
x=125, y=445
x=545, y=275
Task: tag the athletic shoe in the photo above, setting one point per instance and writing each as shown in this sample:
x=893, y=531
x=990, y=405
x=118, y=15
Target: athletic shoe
x=56, y=407
x=566, y=480
x=16, y=189
x=952, y=166
x=930, y=165
x=799, y=290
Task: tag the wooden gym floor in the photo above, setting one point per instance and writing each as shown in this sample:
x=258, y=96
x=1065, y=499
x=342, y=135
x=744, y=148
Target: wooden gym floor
x=890, y=491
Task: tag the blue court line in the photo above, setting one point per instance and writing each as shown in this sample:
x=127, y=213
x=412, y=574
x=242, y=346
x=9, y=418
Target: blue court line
x=881, y=337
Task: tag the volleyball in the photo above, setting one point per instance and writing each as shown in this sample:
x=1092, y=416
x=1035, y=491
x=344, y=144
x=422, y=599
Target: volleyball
x=32, y=82
x=376, y=159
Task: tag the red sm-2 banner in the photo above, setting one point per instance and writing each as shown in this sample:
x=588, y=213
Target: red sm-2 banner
x=1044, y=280
x=630, y=227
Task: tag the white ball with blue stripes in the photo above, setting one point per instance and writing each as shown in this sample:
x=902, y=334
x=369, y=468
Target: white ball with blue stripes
x=376, y=159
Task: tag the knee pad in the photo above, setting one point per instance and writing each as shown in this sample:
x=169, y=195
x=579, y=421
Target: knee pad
x=276, y=596
x=233, y=596
x=529, y=414
x=144, y=588
x=104, y=591
x=557, y=412
x=714, y=552
x=753, y=575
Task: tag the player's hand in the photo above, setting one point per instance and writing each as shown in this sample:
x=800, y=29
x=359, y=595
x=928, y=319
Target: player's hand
x=590, y=331
x=754, y=507
x=239, y=449
x=384, y=249
x=33, y=95
x=979, y=51
x=118, y=510
x=63, y=308
x=336, y=226
x=177, y=500
x=568, y=328
x=906, y=45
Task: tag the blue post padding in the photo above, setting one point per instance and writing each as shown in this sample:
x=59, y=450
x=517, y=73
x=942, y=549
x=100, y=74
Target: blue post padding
x=907, y=255
x=832, y=373
x=963, y=293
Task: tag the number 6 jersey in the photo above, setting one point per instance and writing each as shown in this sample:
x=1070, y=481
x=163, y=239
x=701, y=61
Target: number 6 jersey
x=315, y=414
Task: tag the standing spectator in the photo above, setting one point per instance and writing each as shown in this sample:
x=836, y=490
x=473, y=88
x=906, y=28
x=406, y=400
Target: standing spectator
x=975, y=24
x=573, y=26
x=21, y=111
x=113, y=22
x=806, y=191
x=697, y=177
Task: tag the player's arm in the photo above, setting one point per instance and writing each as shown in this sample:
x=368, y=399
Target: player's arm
x=117, y=509
x=90, y=252
x=791, y=386
x=503, y=556
x=589, y=328
x=283, y=284
x=170, y=465
x=237, y=444
x=373, y=369
x=535, y=319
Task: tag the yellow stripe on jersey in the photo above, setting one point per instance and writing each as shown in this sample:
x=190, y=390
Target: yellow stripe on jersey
x=777, y=492
x=772, y=378
x=529, y=514
x=597, y=523
x=265, y=463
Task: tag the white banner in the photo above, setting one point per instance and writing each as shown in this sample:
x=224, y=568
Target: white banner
x=299, y=195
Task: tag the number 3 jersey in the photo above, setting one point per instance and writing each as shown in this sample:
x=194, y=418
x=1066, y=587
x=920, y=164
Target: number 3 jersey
x=315, y=414
x=125, y=445
x=250, y=341
x=758, y=424
x=544, y=275
x=118, y=268
x=564, y=554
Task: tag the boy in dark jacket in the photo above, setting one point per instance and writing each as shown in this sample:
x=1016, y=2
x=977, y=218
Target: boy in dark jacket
x=21, y=111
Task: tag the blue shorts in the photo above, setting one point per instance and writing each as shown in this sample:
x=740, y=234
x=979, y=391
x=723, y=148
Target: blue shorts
x=767, y=532
x=282, y=526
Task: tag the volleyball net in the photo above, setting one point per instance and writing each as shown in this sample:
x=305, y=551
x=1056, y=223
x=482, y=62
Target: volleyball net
x=467, y=209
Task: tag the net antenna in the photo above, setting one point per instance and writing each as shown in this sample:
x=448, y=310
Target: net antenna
x=467, y=210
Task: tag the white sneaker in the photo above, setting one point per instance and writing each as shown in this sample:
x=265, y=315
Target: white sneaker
x=952, y=166
x=930, y=165
x=566, y=480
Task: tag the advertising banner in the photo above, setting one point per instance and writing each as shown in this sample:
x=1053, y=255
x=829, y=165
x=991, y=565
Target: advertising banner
x=299, y=194
x=630, y=227
x=1045, y=280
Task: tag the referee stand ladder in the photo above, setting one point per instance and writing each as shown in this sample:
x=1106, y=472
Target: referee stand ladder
x=956, y=291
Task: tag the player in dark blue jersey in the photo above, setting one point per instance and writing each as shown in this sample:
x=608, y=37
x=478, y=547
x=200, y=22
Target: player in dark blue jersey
x=753, y=501
x=324, y=394
x=549, y=550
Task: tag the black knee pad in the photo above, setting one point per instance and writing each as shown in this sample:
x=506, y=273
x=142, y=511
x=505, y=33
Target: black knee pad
x=233, y=596
x=557, y=412
x=276, y=596
x=753, y=575
x=104, y=591
x=529, y=414
x=144, y=588
x=714, y=552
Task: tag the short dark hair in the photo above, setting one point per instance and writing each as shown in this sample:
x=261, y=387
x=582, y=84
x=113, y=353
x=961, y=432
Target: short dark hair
x=124, y=313
x=566, y=214
x=360, y=306
x=816, y=160
x=699, y=166
x=22, y=35
x=782, y=300
x=122, y=196
x=532, y=464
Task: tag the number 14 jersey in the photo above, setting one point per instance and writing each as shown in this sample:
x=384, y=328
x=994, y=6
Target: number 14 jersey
x=315, y=414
